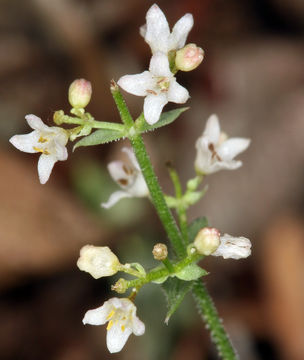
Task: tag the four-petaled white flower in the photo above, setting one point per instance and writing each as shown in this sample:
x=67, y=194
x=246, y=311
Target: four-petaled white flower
x=129, y=177
x=49, y=141
x=157, y=34
x=158, y=85
x=99, y=261
x=215, y=152
x=121, y=315
x=233, y=247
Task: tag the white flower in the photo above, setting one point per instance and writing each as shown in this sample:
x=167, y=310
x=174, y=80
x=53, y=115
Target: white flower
x=121, y=315
x=129, y=177
x=158, y=85
x=49, y=141
x=207, y=240
x=233, y=247
x=215, y=152
x=99, y=261
x=157, y=32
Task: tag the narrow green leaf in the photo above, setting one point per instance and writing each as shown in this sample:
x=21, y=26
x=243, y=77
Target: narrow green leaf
x=101, y=136
x=191, y=272
x=175, y=291
x=166, y=118
x=195, y=227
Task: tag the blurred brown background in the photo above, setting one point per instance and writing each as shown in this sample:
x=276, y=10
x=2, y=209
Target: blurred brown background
x=252, y=77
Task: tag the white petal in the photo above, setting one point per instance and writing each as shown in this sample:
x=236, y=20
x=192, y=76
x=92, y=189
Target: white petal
x=158, y=31
x=99, y=315
x=131, y=156
x=177, y=93
x=143, y=30
x=45, y=167
x=117, y=337
x=61, y=151
x=116, y=170
x=26, y=142
x=139, y=188
x=203, y=158
x=223, y=165
x=36, y=123
x=137, y=84
x=233, y=247
x=232, y=147
x=159, y=65
x=212, y=129
x=153, y=106
x=180, y=32
x=114, y=198
x=138, y=327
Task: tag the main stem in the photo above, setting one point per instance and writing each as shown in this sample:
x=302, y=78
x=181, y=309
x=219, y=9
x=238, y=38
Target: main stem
x=203, y=299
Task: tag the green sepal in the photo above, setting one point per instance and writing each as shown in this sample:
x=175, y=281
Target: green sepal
x=166, y=118
x=98, y=137
x=175, y=291
x=160, y=280
x=196, y=226
x=139, y=268
x=191, y=272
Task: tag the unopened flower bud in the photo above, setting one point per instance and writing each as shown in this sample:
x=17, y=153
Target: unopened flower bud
x=80, y=92
x=120, y=286
x=207, y=240
x=99, y=261
x=189, y=57
x=160, y=252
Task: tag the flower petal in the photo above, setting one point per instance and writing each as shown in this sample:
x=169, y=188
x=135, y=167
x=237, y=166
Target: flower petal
x=36, y=123
x=180, y=32
x=114, y=198
x=212, y=129
x=99, y=315
x=159, y=65
x=177, y=93
x=158, y=31
x=131, y=156
x=45, y=167
x=153, y=106
x=26, y=142
x=137, y=84
x=232, y=147
x=117, y=336
x=233, y=247
x=138, y=327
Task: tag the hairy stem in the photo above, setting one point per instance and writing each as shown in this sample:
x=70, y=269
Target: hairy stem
x=210, y=316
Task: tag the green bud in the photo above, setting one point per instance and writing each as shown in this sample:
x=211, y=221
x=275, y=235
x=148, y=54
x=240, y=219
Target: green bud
x=189, y=57
x=120, y=286
x=80, y=92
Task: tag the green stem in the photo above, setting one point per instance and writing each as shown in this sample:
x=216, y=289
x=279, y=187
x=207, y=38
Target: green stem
x=210, y=316
x=181, y=211
x=157, y=196
x=121, y=105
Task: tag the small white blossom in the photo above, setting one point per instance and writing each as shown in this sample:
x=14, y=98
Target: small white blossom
x=157, y=34
x=121, y=315
x=233, y=247
x=215, y=152
x=158, y=85
x=129, y=177
x=49, y=141
x=99, y=261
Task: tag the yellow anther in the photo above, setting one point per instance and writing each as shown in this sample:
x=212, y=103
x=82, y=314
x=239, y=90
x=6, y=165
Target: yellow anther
x=42, y=140
x=45, y=152
x=123, y=328
x=110, y=324
x=110, y=314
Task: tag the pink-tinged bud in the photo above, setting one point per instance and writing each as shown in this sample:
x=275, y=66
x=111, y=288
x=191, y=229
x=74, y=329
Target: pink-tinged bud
x=80, y=92
x=207, y=241
x=189, y=57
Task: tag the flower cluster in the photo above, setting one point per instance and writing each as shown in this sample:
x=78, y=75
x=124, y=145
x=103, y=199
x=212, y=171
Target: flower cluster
x=215, y=152
x=158, y=85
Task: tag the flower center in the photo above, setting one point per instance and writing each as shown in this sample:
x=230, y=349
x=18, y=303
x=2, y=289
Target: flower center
x=214, y=154
x=163, y=83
